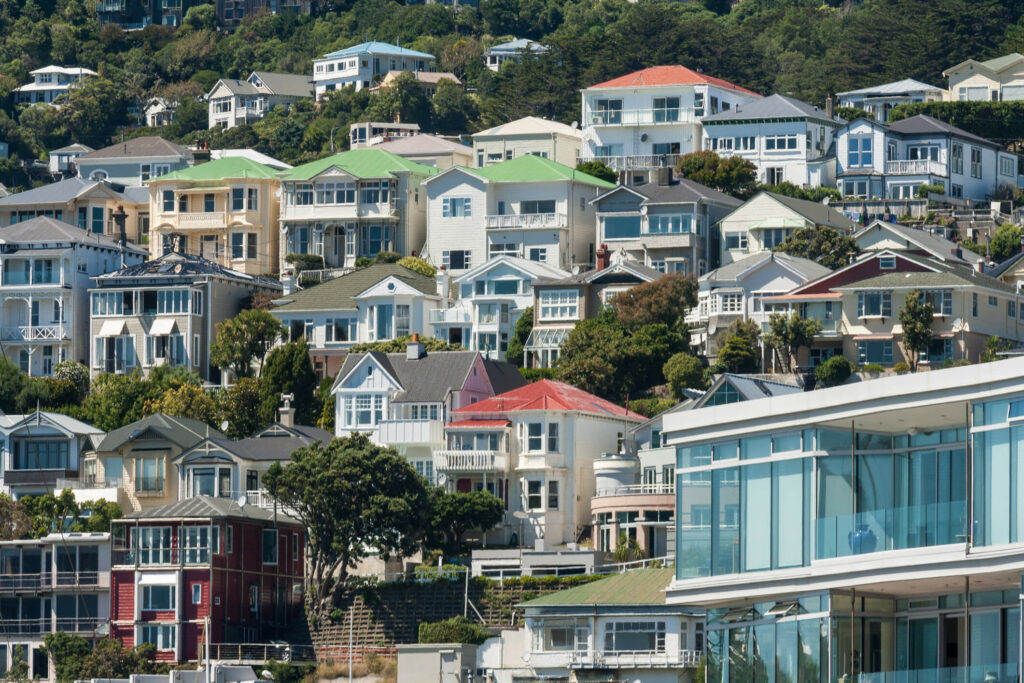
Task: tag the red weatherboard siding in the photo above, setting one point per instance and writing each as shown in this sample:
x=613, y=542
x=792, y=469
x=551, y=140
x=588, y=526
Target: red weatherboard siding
x=156, y=615
x=122, y=595
x=858, y=272
x=126, y=634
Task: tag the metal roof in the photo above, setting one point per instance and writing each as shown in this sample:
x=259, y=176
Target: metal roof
x=140, y=147
x=922, y=124
x=902, y=87
x=637, y=587
x=529, y=125
x=177, y=265
x=772, y=107
x=339, y=294
x=44, y=230
x=183, y=431
x=731, y=272
x=376, y=47
x=208, y=507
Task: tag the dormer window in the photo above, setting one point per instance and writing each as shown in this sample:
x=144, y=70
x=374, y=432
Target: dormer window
x=887, y=262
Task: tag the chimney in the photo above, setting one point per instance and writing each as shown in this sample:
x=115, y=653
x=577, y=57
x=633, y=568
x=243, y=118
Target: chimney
x=120, y=217
x=288, y=283
x=415, y=349
x=959, y=252
x=830, y=106
x=286, y=414
x=602, y=254
x=664, y=176
x=443, y=283
x=201, y=154
x=980, y=266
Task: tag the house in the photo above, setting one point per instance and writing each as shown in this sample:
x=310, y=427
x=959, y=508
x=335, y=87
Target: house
x=559, y=305
x=359, y=66
x=50, y=82
x=789, y=141
x=665, y=224
x=404, y=400
x=135, y=15
x=511, y=51
x=133, y=162
x=225, y=210
x=529, y=207
x=999, y=79
x=373, y=133
x=204, y=570
x=765, y=220
x=879, y=100
x=98, y=207
x=894, y=160
x=880, y=235
x=492, y=298
x=231, y=12
x=534, y=447
x=62, y=161
x=159, y=112
x=427, y=80
x=353, y=204
x=887, y=496
x=252, y=155
x=615, y=629
x=737, y=291
x=649, y=118
x=46, y=267
x=235, y=102
x=528, y=135
x=165, y=312
x=132, y=465
x=430, y=150
x=1010, y=271
x=379, y=302
x=41, y=449
x=59, y=583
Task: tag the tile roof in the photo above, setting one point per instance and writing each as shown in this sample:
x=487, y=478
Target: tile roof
x=547, y=394
x=903, y=87
x=208, y=507
x=922, y=124
x=43, y=229
x=339, y=294
x=477, y=424
x=375, y=46
x=667, y=75
x=183, y=431
x=637, y=587
x=140, y=147
x=771, y=107
x=176, y=265
x=220, y=169
x=531, y=168
x=730, y=272
x=360, y=163
x=819, y=214
x=529, y=125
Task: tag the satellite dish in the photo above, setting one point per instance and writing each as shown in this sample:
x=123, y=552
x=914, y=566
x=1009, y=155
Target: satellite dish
x=519, y=514
x=224, y=426
x=575, y=124
x=643, y=138
x=643, y=210
x=958, y=324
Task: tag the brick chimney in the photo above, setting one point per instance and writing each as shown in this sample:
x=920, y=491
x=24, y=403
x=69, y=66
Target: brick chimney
x=201, y=154
x=603, y=257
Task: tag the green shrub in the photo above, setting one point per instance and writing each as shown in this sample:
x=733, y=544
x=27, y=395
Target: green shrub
x=872, y=367
x=901, y=368
x=534, y=374
x=683, y=371
x=961, y=362
x=834, y=371
x=305, y=262
x=363, y=261
x=924, y=189
x=387, y=257
x=418, y=265
x=649, y=407
x=454, y=630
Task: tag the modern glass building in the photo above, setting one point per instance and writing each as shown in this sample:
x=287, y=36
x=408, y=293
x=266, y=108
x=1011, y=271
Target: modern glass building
x=871, y=532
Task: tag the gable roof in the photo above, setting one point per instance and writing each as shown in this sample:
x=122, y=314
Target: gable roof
x=529, y=125
x=667, y=75
x=922, y=124
x=258, y=157
x=750, y=387
x=518, y=45
x=637, y=587
x=178, y=265
x=72, y=148
x=680, y=190
x=372, y=162
x=548, y=394
x=64, y=191
x=219, y=169
x=736, y=270
x=43, y=229
x=532, y=168
x=64, y=422
x=996, y=64
x=939, y=274
x=938, y=247
x=288, y=85
x=378, y=47
x=901, y=87
x=1000, y=269
x=771, y=107
x=140, y=147
x=182, y=431
x=208, y=507
x=340, y=293
x=819, y=214
x=535, y=269
x=273, y=444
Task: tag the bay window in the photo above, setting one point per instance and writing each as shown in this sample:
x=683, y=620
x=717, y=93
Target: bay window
x=634, y=636
x=559, y=304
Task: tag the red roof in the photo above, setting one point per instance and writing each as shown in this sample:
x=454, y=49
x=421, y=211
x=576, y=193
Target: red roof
x=478, y=424
x=547, y=395
x=668, y=75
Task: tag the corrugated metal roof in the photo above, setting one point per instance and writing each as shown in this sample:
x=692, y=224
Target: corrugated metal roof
x=221, y=169
x=638, y=587
x=376, y=47
x=667, y=75
x=144, y=146
x=772, y=107
x=529, y=125
x=531, y=168
x=208, y=507
x=339, y=294
x=923, y=124
x=183, y=431
x=819, y=214
x=360, y=163
x=902, y=87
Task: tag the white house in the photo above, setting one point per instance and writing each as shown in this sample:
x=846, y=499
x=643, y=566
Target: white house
x=892, y=161
x=39, y=448
x=235, y=102
x=511, y=51
x=50, y=82
x=880, y=99
x=649, y=118
x=492, y=297
x=786, y=139
x=359, y=65
x=528, y=135
x=159, y=112
x=999, y=79
x=62, y=161
x=530, y=207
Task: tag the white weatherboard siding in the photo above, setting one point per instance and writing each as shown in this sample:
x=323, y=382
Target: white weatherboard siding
x=803, y=166
x=457, y=233
x=747, y=217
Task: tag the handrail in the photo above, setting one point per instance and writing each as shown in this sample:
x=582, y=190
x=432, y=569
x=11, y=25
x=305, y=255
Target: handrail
x=636, y=489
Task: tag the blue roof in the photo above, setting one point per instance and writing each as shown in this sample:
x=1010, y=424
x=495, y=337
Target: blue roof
x=376, y=47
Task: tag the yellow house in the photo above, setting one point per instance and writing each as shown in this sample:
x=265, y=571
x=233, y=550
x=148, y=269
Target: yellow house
x=998, y=79
x=225, y=210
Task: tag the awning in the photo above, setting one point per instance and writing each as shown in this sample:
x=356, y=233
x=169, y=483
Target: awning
x=112, y=328
x=158, y=579
x=869, y=337
x=162, y=327
x=546, y=338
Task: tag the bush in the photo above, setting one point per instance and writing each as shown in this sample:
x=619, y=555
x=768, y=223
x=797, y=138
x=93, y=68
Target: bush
x=834, y=371
x=535, y=374
x=363, y=261
x=649, y=407
x=683, y=371
x=924, y=189
x=871, y=367
x=305, y=262
x=901, y=368
x=419, y=265
x=75, y=372
x=454, y=630
x=961, y=362
x=388, y=257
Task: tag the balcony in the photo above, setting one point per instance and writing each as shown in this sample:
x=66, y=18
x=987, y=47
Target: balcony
x=638, y=490
x=213, y=219
x=586, y=659
x=989, y=673
x=829, y=328
x=527, y=221
x=639, y=117
x=48, y=625
x=35, y=333
x=37, y=477
x=449, y=315
x=410, y=431
x=635, y=162
x=915, y=167
x=469, y=461
x=45, y=581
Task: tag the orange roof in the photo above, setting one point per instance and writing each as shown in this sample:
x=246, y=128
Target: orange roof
x=547, y=395
x=668, y=75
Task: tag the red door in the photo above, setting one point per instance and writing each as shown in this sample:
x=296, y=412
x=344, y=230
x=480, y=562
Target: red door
x=463, y=486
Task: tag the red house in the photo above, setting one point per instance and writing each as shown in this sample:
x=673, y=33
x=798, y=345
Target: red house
x=204, y=563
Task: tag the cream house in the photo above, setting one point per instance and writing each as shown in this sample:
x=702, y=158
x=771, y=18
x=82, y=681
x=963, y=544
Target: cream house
x=224, y=210
x=528, y=135
x=999, y=79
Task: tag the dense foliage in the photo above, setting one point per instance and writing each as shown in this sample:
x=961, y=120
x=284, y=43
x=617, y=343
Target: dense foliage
x=454, y=630
x=76, y=658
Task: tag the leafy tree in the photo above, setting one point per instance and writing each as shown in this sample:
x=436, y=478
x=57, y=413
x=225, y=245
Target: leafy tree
x=399, y=344
x=737, y=355
x=74, y=372
x=684, y=371
x=352, y=497
x=456, y=513
x=665, y=301
x=13, y=380
x=241, y=407
x=419, y=265
x=916, y=320
x=289, y=370
x=627, y=549
x=326, y=402
x=14, y=522
x=788, y=334
x=598, y=169
x=824, y=245
x=187, y=400
x=18, y=671
x=853, y=113
x=520, y=335
x=35, y=392
x=244, y=340
x=1005, y=242
x=201, y=17
x=833, y=371
x=993, y=347
x=733, y=175
x=189, y=116
x=68, y=653
x=403, y=101
x=453, y=108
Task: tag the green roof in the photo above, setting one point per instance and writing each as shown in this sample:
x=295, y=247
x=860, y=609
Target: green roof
x=1000, y=63
x=220, y=169
x=339, y=294
x=360, y=163
x=637, y=587
x=530, y=167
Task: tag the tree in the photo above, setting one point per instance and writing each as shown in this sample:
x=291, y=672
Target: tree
x=403, y=100
x=18, y=671
x=737, y=355
x=916, y=320
x=456, y=513
x=733, y=175
x=289, y=370
x=387, y=257
x=187, y=400
x=418, y=265
x=994, y=346
x=1005, y=242
x=833, y=371
x=599, y=170
x=74, y=372
x=12, y=379
x=684, y=371
x=399, y=344
x=14, y=523
x=353, y=498
x=824, y=245
x=453, y=108
x=665, y=301
x=244, y=340
x=201, y=16
x=190, y=115
x=240, y=406
x=520, y=335
x=788, y=334
x=68, y=653
x=627, y=549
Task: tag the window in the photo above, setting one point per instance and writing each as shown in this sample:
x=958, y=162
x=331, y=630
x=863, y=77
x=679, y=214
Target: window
x=172, y=301
x=773, y=175
x=252, y=199
x=773, y=237
x=666, y=109
x=875, y=351
x=552, y=437
x=535, y=437
x=735, y=240
x=939, y=351
x=303, y=194
x=666, y=224
x=295, y=547
x=97, y=219
x=237, y=245
x=168, y=201
x=197, y=593
x=401, y=320
x=940, y=299
x=457, y=207
x=957, y=157
x=149, y=474
x=537, y=206
x=456, y=259
x=539, y=254
x=974, y=304
x=534, y=494
x=158, y=597
x=200, y=542
x=781, y=142
x=336, y=193
x=876, y=304
x=375, y=192
x=621, y=227
x=975, y=162
x=552, y=495
x=237, y=198
x=152, y=544
x=1011, y=309
x=607, y=111
x=634, y=636
x=559, y=304
x=859, y=151
x=341, y=330
x=887, y=262
x=250, y=246
x=270, y=546
x=254, y=598
x=160, y=635
x=362, y=410
x=208, y=203
x=993, y=301
x=230, y=540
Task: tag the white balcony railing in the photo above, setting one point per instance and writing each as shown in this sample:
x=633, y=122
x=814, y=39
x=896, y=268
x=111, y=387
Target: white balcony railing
x=212, y=219
x=637, y=490
x=915, y=167
x=324, y=274
x=527, y=221
x=449, y=315
x=635, y=117
x=634, y=162
x=580, y=659
x=410, y=431
x=469, y=461
x=35, y=333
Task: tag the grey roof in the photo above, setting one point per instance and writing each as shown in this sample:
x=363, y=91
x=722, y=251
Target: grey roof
x=819, y=214
x=938, y=247
x=750, y=387
x=683, y=190
x=183, y=431
x=274, y=444
x=43, y=230
x=176, y=265
x=903, y=87
x=772, y=107
x=922, y=124
x=140, y=147
x=73, y=147
x=429, y=378
x=518, y=45
x=63, y=191
x=999, y=269
x=944, y=275
x=423, y=144
x=730, y=272
x=339, y=294
x=289, y=85
x=208, y=507
x=639, y=270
